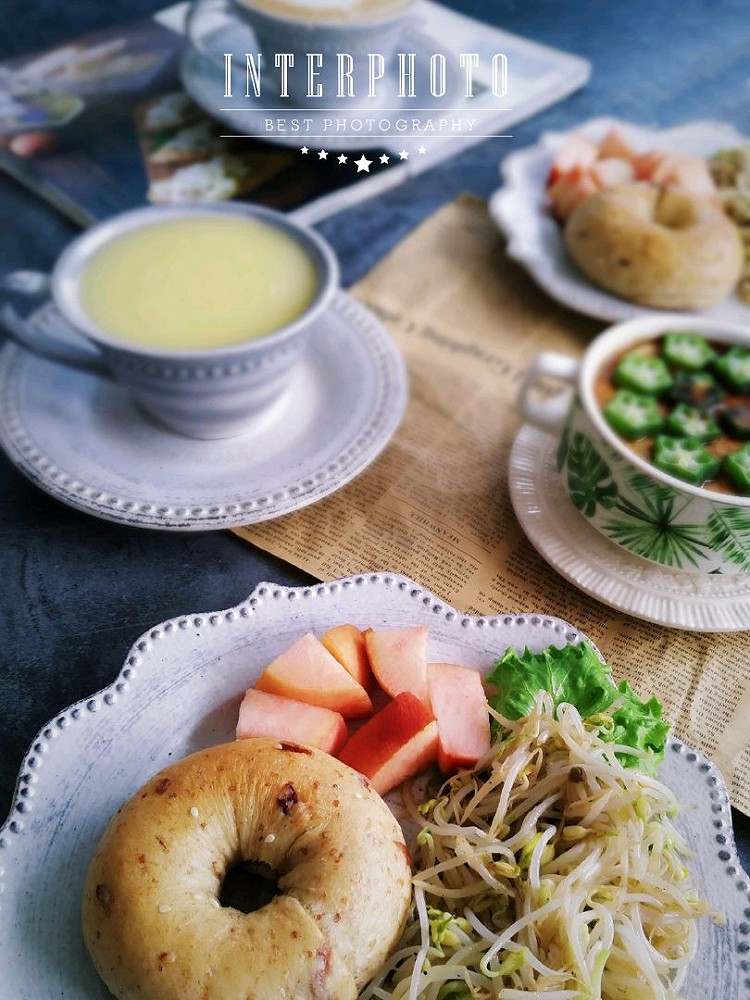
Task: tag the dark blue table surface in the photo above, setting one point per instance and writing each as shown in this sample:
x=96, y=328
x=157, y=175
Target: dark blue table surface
x=77, y=591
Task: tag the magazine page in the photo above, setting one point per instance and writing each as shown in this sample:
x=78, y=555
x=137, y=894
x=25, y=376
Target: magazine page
x=165, y=110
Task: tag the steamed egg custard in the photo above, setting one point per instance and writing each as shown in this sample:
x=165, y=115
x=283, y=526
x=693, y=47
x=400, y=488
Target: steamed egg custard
x=197, y=283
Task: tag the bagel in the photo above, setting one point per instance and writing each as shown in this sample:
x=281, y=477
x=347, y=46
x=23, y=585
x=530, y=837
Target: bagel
x=656, y=246
x=151, y=915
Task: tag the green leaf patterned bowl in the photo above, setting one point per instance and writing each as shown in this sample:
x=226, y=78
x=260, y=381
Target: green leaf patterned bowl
x=648, y=512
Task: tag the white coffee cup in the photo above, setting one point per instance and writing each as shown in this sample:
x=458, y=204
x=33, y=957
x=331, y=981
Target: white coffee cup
x=322, y=39
x=212, y=392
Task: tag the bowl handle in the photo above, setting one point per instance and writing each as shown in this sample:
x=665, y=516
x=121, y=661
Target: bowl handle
x=42, y=329
x=548, y=414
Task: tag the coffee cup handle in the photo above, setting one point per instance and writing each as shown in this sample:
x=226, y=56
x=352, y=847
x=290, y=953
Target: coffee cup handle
x=43, y=329
x=549, y=414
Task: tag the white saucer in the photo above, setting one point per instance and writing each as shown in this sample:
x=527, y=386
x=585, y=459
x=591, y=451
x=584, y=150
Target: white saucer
x=562, y=536
x=80, y=438
x=214, y=32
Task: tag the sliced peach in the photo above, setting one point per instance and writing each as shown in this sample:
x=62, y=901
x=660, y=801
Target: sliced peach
x=647, y=163
x=398, y=742
x=347, y=644
x=688, y=173
x=308, y=672
x=615, y=145
x=612, y=170
x=264, y=714
x=460, y=707
x=398, y=657
x=570, y=190
x=576, y=151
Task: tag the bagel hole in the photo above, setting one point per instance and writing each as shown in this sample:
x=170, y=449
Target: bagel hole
x=248, y=886
x=674, y=210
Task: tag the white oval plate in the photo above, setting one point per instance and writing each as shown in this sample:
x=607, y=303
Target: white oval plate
x=80, y=437
x=534, y=237
x=179, y=691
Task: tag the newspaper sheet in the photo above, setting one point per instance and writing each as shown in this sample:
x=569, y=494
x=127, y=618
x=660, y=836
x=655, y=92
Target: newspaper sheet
x=436, y=506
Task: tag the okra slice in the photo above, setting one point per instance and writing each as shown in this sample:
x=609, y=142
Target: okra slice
x=633, y=415
x=642, y=373
x=736, y=420
x=698, y=389
x=688, y=351
x=733, y=368
x=687, y=421
x=685, y=458
x=736, y=467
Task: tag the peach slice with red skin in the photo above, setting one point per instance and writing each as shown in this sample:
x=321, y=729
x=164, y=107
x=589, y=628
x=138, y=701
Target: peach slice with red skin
x=569, y=190
x=460, y=707
x=347, y=644
x=307, y=672
x=688, y=173
x=611, y=170
x=398, y=657
x=615, y=144
x=578, y=151
x=680, y=170
x=265, y=714
x=397, y=743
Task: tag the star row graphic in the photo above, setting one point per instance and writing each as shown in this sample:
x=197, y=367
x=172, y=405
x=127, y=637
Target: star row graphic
x=363, y=164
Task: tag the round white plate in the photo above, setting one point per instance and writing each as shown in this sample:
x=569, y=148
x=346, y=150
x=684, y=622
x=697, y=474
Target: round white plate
x=535, y=239
x=82, y=439
x=179, y=691
x=691, y=601
x=214, y=30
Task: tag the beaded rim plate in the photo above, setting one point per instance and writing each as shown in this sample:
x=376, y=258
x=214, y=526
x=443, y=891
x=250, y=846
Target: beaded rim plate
x=703, y=602
x=179, y=691
x=534, y=239
x=80, y=438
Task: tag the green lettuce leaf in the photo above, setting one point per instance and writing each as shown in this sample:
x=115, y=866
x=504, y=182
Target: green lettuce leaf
x=639, y=724
x=575, y=675
x=571, y=674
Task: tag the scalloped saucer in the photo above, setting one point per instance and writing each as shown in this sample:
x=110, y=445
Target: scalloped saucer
x=179, y=691
x=534, y=239
x=691, y=601
x=81, y=438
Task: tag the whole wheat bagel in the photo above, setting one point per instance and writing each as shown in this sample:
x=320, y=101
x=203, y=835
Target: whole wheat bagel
x=656, y=246
x=151, y=915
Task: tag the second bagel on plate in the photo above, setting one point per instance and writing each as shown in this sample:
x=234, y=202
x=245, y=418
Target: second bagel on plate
x=656, y=246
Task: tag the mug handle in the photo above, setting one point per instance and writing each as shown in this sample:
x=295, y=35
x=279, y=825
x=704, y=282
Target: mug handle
x=43, y=330
x=550, y=414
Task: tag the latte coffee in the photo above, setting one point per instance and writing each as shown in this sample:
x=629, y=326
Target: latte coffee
x=329, y=10
x=315, y=36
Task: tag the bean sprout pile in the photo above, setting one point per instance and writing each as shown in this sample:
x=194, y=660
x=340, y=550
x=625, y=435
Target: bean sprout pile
x=548, y=870
x=731, y=172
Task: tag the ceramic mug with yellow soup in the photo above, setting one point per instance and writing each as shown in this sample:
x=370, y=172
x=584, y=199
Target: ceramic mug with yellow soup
x=201, y=312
